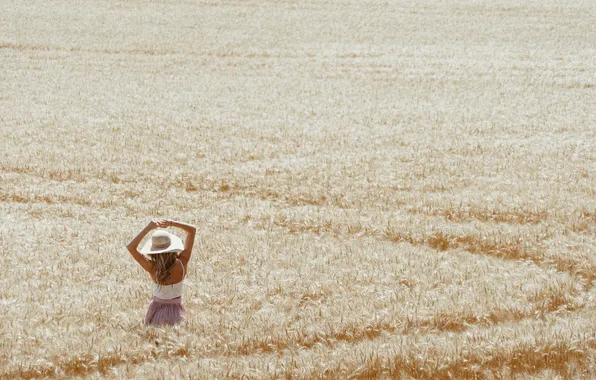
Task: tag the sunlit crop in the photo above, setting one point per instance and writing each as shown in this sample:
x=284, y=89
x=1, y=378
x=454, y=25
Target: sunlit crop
x=381, y=189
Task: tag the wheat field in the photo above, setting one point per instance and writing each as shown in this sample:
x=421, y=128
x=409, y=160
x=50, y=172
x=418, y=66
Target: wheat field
x=381, y=189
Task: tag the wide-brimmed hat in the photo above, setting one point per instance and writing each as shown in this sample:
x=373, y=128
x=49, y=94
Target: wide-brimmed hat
x=162, y=241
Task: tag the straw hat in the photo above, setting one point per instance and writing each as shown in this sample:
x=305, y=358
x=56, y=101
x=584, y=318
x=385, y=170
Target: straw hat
x=162, y=241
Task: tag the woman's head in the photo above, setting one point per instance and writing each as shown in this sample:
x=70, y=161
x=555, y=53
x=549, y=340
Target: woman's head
x=163, y=263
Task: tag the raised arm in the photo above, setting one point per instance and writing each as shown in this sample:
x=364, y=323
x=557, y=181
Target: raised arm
x=134, y=244
x=189, y=241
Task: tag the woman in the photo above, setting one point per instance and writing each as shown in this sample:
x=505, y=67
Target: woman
x=166, y=261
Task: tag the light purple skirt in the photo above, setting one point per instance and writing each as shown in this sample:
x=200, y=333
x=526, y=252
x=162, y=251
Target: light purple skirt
x=165, y=312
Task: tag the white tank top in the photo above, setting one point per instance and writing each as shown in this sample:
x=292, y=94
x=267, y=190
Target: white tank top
x=170, y=291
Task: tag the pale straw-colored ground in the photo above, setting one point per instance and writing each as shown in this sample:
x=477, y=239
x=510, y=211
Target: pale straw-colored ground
x=382, y=189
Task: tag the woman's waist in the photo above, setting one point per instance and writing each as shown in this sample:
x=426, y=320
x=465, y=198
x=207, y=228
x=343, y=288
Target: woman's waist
x=178, y=284
x=171, y=293
x=171, y=301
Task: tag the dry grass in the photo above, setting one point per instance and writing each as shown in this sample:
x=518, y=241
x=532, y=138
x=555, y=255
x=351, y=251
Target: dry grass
x=383, y=190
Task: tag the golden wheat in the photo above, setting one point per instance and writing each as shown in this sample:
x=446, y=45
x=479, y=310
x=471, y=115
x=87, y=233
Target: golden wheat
x=382, y=189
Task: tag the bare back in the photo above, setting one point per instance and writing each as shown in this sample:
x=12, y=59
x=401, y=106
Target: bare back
x=175, y=274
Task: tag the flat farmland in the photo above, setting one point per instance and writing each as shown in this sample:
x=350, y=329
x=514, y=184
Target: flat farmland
x=382, y=189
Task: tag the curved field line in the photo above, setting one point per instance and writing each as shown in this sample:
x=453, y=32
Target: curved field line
x=87, y=364
x=51, y=199
x=229, y=189
x=510, y=250
x=186, y=53
x=523, y=359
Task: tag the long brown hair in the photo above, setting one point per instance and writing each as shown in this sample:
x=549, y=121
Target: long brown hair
x=163, y=264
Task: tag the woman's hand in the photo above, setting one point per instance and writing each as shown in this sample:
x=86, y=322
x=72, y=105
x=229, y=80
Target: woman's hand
x=161, y=223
